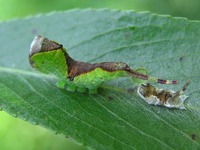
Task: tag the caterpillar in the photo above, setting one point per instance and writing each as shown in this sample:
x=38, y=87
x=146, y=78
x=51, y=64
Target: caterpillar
x=50, y=57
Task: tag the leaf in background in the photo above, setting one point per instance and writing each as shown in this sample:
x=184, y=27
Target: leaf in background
x=116, y=118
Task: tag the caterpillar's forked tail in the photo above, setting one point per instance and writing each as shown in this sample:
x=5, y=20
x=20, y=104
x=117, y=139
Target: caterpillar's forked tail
x=152, y=79
x=162, y=81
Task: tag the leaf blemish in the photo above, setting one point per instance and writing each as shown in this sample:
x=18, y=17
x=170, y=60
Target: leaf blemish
x=194, y=136
x=181, y=58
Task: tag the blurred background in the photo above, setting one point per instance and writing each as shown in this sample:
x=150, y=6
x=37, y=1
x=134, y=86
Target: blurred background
x=21, y=8
x=16, y=134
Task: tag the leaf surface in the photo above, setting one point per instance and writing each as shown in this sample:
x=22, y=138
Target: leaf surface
x=116, y=117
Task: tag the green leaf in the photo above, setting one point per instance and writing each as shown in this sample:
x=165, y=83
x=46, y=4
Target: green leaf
x=116, y=118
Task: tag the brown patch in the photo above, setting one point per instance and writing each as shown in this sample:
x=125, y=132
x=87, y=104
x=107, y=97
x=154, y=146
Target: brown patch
x=48, y=45
x=163, y=95
x=194, y=136
x=149, y=90
x=76, y=68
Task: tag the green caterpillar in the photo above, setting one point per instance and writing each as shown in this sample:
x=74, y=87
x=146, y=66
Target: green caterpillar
x=51, y=57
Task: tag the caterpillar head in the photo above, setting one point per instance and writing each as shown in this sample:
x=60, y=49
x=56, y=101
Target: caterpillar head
x=42, y=45
x=47, y=56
